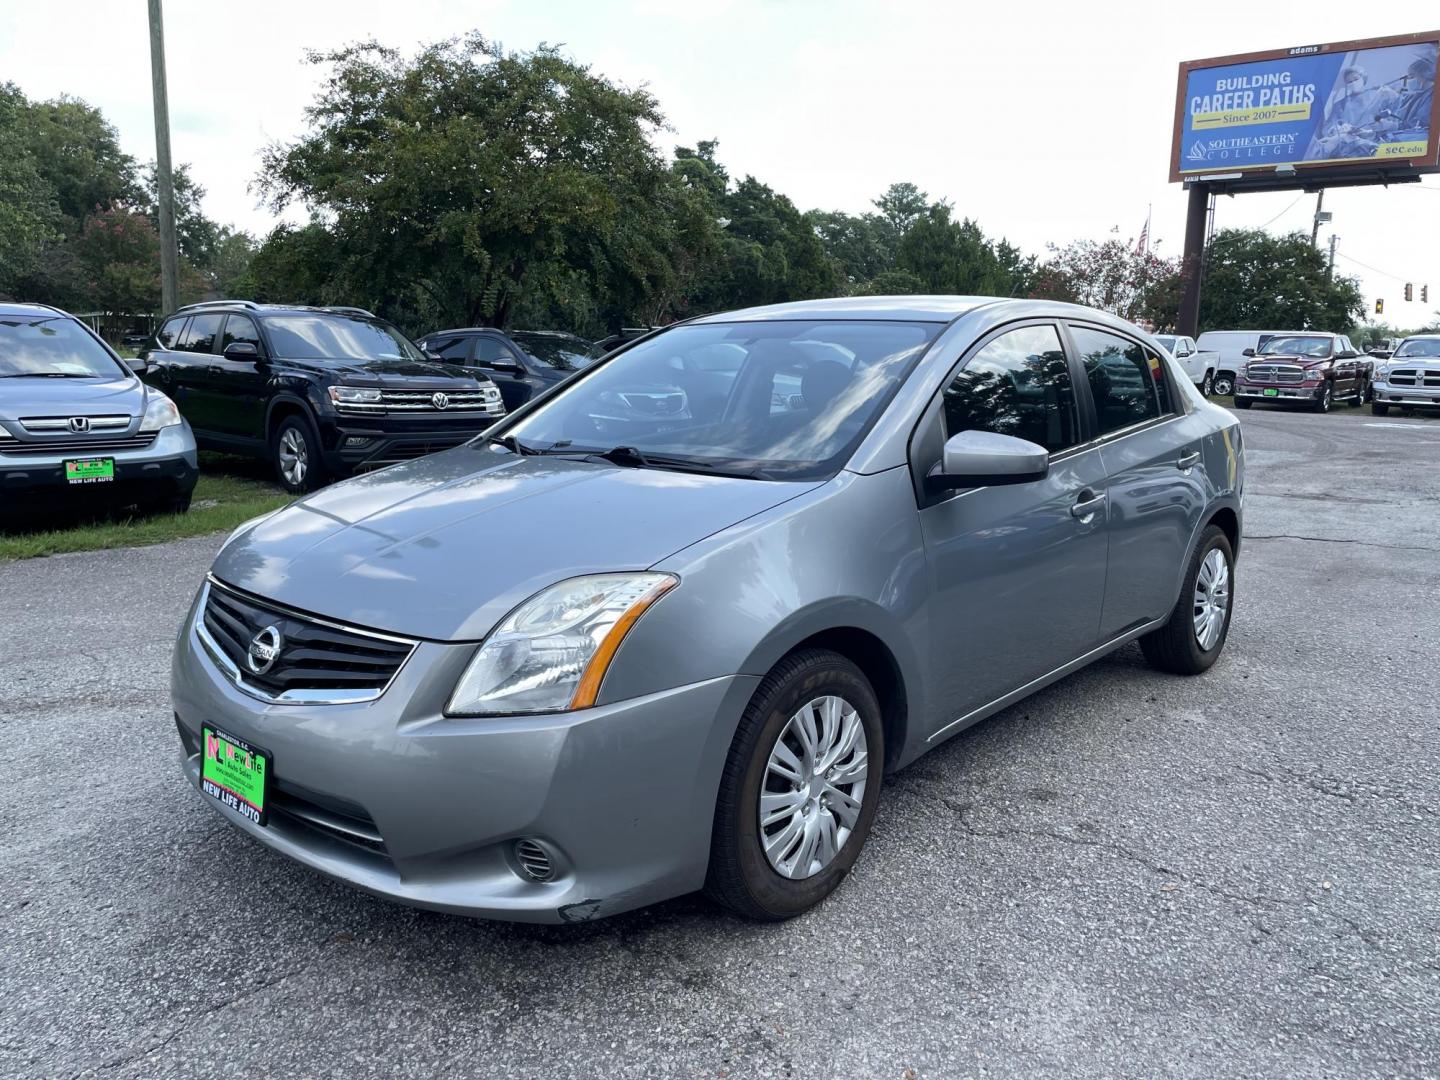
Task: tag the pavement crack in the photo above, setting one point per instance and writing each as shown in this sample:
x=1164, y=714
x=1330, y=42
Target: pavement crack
x=1352, y=792
x=1337, y=540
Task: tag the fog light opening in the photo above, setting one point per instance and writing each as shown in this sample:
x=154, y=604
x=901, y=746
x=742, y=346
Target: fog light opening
x=357, y=440
x=533, y=861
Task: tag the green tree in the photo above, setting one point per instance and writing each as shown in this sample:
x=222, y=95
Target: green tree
x=454, y=181
x=1113, y=276
x=78, y=153
x=950, y=256
x=30, y=218
x=197, y=236
x=1254, y=280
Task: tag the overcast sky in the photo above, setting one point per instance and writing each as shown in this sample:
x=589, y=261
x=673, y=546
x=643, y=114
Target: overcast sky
x=1045, y=121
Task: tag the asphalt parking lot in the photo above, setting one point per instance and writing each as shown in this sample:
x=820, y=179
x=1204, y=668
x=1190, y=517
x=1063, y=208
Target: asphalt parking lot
x=1127, y=875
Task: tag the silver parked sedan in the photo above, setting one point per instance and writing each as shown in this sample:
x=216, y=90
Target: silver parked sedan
x=670, y=626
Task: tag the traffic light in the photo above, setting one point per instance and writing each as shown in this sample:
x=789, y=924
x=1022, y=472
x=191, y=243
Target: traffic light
x=1425, y=294
x=1409, y=292
x=1379, y=307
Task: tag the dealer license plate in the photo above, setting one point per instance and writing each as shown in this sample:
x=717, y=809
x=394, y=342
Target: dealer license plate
x=97, y=470
x=235, y=773
x=1272, y=392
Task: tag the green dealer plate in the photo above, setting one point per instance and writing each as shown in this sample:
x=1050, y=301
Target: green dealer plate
x=234, y=773
x=1272, y=393
x=95, y=470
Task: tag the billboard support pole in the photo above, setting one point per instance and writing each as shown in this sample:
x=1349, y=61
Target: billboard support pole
x=1192, y=261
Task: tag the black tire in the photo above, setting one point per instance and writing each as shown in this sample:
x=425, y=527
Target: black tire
x=174, y=504
x=1361, y=397
x=1224, y=384
x=303, y=432
x=1377, y=409
x=1207, y=384
x=1322, y=403
x=1174, y=647
x=1242, y=403
x=740, y=876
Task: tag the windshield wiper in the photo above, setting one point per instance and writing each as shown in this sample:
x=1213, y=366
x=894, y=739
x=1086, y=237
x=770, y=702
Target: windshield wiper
x=514, y=445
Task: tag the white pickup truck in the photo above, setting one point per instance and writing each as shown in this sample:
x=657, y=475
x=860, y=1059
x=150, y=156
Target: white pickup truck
x=1199, y=365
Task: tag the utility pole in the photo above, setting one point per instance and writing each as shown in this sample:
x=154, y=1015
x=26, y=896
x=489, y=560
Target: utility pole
x=1330, y=269
x=169, y=255
x=1319, y=217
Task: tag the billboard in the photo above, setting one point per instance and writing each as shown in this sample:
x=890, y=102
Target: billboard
x=1347, y=103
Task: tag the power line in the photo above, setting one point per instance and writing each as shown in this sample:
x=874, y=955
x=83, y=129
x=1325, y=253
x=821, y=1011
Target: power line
x=1282, y=213
x=1377, y=270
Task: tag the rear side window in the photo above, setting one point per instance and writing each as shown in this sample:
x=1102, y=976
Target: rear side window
x=239, y=328
x=200, y=335
x=170, y=333
x=1018, y=384
x=1126, y=379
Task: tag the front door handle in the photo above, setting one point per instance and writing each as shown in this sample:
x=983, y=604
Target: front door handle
x=1086, y=507
x=1188, y=460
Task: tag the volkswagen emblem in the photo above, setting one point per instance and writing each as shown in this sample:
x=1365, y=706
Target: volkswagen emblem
x=440, y=401
x=264, y=650
x=79, y=424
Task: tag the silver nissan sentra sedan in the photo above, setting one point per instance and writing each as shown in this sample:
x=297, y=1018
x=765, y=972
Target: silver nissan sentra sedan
x=669, y=626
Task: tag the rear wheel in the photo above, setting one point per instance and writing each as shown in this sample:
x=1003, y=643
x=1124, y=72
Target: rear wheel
x=295, y=451
x=1224, y=384
x=1362, y=395
x=799, y=789
x=1377, y=409
x=1195, y=634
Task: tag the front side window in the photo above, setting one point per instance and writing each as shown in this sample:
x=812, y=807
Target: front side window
x=1309, y=346
x=1018, y=384
x=1126, y=380
x=200, y=335
x=453, y=349
x=323, y=336
x=666, y=399
x=489, y=350
x=240, y=328
x=52, y=346
x=559, y=351
x=1415, y=348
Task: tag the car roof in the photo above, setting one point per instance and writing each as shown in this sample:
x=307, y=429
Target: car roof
x=941, y=309
x=249, y=307
x=7, y=308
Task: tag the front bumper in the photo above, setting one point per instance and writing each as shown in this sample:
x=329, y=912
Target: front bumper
x=166, y=468
x=1420, y=396
x=1289, y=392
x=393, y=798
x=355, y=445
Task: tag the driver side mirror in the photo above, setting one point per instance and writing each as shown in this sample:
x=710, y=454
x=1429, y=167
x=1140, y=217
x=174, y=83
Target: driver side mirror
x=1346, y=354
x=138, y=365
x=501, y=363
x=986, y=459
x=241, y=350
x=1248, y=352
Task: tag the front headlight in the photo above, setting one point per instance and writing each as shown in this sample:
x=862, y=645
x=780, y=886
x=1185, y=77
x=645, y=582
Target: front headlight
x=355, y=395
x=1383, y=371
x=550, y=654
x=160, y=412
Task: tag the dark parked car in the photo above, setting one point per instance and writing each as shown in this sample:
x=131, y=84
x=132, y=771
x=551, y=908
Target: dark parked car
x=1304, y=369
x=523, y=363
x=321, y=392
x=77, y=427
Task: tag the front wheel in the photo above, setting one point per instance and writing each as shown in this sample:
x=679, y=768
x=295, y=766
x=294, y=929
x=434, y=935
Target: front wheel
x=295, y=451
x=1378, y=409
x=1322, y=403
x=1207, y=384
x=1224, y=384
x=1242, y=403
x=799, y=789
x=1200, y=621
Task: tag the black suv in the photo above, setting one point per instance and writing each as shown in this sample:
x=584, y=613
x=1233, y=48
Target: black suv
x=522, y=363
x=321, y=392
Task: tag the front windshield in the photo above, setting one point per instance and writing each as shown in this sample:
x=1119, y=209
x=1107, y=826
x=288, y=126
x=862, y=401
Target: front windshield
x=773, y=400
x=52, y=346
x=1418, y=347
x=315, y=336
x=559, y=351
x=1317, y=347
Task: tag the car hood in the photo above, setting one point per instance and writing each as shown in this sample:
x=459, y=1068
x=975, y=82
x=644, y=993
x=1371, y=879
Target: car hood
x=1288, y=358
x=444, y=547
x=71, y=397
x=404, y=373
x=1426, y=363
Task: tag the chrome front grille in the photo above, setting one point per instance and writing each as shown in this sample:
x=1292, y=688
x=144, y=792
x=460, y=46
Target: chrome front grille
x=1415, y=377
x=484, y=400
x=1276, y=373
x=77, y=444
x=77, y=424
x=315, y=661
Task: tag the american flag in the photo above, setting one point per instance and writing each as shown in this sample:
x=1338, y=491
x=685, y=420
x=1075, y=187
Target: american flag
x=1143, y=244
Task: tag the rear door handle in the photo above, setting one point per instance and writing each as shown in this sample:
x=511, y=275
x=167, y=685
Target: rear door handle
x=1188, y=460
x=1086, y=507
